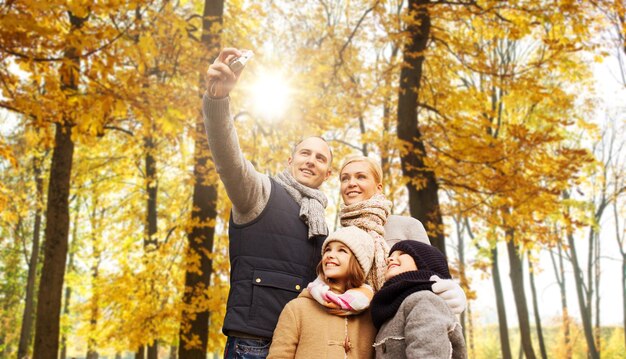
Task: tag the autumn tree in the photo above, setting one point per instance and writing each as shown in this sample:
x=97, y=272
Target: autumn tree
x=21, y=201
x=194, y=326
x=485, y=96
x=615, y=14
x=497, y=123
x=423, y=186
x=22, y=164
x=61, y=83
x=80, y=96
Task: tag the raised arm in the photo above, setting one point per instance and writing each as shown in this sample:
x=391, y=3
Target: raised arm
x=247, y=189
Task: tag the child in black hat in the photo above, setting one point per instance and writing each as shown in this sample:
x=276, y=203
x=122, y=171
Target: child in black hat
x=412, y=321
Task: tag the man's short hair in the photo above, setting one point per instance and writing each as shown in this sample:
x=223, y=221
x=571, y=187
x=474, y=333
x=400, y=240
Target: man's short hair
x=293, y=151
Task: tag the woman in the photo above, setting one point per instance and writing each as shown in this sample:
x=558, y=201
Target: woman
x=361, y=179
x=367, y=208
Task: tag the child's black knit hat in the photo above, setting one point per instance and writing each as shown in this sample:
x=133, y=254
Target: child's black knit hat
x=426, y=257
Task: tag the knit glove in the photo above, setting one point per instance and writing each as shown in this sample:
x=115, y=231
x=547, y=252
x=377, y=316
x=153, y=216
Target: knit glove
x=451, y=293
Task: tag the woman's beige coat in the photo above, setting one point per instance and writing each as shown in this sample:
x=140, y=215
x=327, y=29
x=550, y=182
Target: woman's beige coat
x=306, y=330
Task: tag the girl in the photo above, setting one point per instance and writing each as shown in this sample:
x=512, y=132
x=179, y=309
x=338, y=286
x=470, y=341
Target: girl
x=412, y=321
x=365, y=206
x=307, y=328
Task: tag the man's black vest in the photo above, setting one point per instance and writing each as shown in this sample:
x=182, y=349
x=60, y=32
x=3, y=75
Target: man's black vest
x=271, y=260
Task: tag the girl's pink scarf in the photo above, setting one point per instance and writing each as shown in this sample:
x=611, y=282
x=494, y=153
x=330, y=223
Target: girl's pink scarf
x=352, y=301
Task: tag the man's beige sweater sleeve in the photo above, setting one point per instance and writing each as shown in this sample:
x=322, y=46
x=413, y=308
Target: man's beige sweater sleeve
x=247, y=189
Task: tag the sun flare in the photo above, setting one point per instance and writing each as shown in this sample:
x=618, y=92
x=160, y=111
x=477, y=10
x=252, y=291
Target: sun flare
x=270, y=96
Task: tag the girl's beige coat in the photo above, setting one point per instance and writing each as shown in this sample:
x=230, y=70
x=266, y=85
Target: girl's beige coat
x=306, y=330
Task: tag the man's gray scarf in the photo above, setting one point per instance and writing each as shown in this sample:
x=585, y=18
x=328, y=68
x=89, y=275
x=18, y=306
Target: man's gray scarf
x=312, y=203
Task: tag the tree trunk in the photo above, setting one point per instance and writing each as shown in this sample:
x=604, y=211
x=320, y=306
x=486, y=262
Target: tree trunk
x=153, y=350
x=140, y=353
x=590, y=280
x=624, y=294
x=55, y=252
x=597, y=272
x=470, y=323
x=92, y=351
x=593, y=271
x=385, y=155
x=57, y=218
x=66, y=311
x=560, y=278
x=584, y=312
x=517, y=282
x=470, y=331
x=542, y=345
x=503, y=325
x=151, y=241
x=423, y=187
x=70, y=267
x=386, y=144
x=621, y=16
x=27, y=317
x=195, y=322
x=459, y=223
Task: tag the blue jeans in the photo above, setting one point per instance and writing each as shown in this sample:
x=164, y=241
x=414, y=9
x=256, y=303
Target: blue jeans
x=243, y=348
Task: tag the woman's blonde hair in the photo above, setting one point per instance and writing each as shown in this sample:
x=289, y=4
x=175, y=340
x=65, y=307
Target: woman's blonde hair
x=374, y=166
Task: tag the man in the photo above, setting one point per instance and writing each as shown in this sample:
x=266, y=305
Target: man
x=277, y=225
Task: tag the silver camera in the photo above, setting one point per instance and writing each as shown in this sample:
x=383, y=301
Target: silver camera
x=240, y=62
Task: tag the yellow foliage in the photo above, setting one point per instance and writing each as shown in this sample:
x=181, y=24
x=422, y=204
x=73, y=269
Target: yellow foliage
x=499, y=107
x=614, y=346
x=6, y=153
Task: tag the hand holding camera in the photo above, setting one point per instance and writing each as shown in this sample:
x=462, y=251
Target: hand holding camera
x=239, y=63
x=223, y=74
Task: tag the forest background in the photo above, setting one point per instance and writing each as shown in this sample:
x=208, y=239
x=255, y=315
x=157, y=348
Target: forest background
x=499, y=124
